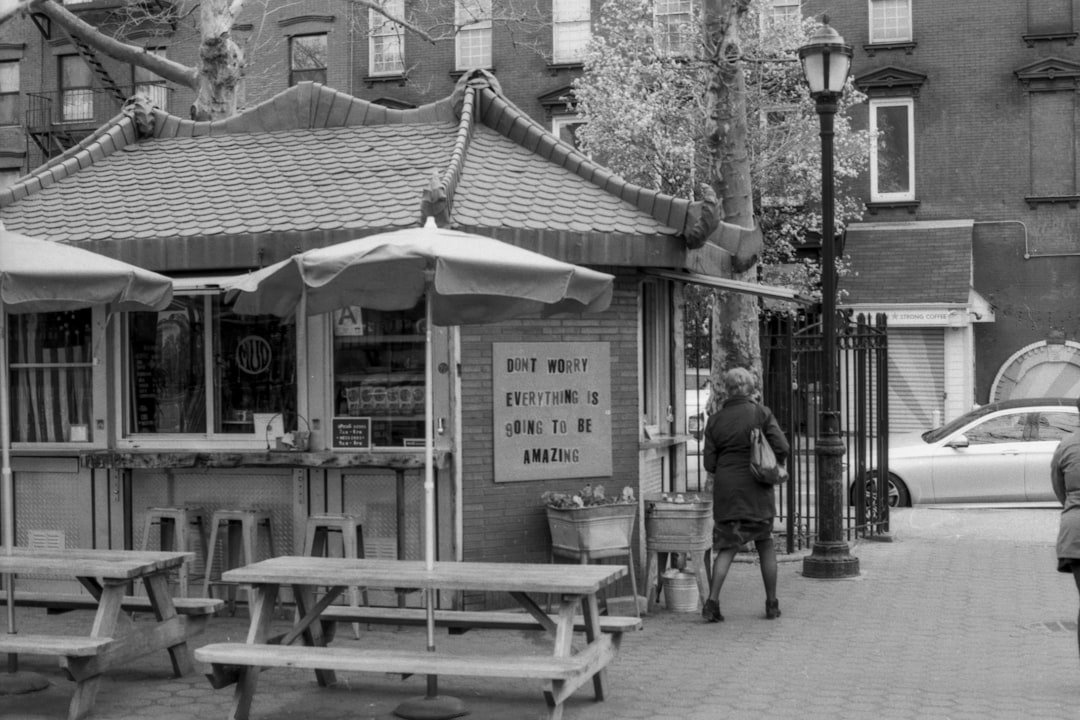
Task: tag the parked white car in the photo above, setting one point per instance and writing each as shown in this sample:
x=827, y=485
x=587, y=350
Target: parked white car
x=998, y=453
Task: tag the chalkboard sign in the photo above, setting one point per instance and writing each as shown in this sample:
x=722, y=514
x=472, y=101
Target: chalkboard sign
x=351, y=433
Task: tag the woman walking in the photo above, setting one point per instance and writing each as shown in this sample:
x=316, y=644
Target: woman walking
x=743, y=508
x=1065, y=477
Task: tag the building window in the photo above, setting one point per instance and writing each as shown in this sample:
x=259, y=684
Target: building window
x=473, y=39
x=76, y=89
x=565, y=127
x=10, y=108
x=784, y=9
x=379, y=362
x=892, y=156
x=307, y=58
x=198, y=369
x=890, y=21
x=674, y=22
x=386, y=50
x=149, y=84
x=51, y=361
x=571, y=30
x=1050, y=18
x=1053, y=164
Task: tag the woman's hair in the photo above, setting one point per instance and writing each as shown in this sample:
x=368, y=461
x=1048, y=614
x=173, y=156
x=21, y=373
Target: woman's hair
x=739, y=381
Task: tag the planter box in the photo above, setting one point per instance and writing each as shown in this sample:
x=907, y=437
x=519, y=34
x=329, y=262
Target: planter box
x=597, y=529
x=675, y=524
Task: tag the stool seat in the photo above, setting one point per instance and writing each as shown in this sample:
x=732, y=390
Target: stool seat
x=175, y=524
x=239, y=544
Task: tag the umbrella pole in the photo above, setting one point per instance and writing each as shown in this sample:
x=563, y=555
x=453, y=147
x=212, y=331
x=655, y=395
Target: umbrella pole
x=13, y=682
x=431, y=706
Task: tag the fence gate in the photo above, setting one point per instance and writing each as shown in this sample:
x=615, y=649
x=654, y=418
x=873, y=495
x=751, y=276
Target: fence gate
x=792, y=364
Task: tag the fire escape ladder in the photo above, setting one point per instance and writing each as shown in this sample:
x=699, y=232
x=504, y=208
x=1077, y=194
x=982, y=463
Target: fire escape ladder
x=89, y=55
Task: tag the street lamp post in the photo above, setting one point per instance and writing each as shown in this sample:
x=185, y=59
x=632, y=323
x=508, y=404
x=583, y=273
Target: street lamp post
x=826, y=61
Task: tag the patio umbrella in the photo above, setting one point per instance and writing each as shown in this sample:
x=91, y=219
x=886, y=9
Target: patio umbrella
x=44, y=276
x=465, y=279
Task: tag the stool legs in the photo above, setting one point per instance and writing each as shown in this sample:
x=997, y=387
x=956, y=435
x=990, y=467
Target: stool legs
x=174, y=527
x=239, y=545
x=316, y=543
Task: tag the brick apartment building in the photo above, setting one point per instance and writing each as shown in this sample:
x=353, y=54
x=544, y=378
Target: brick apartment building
x=969, y=240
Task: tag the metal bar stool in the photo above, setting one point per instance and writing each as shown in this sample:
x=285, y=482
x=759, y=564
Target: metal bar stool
x=174, y=525
x=239, y=545
x=316, y=543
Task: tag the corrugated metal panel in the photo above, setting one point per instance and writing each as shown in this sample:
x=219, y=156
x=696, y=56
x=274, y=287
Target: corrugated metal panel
x=916, y=378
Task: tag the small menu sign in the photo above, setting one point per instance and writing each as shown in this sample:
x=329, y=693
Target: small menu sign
x=351, y=433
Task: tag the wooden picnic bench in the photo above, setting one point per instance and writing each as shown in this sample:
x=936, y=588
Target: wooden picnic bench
x=561, y=673
x=105, y=574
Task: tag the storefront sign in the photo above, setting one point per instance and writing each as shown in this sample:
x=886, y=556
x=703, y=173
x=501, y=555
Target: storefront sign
x=351, y=433
x=552, y=410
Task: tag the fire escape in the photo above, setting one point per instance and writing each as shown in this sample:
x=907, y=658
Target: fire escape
x=57, y=121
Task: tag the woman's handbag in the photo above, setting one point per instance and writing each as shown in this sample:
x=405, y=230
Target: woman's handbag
x=763, y=465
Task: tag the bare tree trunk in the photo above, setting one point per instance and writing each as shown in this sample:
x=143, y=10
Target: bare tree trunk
x=221, y=62
x=736, y=339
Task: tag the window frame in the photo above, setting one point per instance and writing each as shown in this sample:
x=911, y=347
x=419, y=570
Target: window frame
x=558, y=122
x=83, y=93
x=481, y=29
x=128, y=437
x=565, y=49
x=97, y=433
x=12, y=95
x=376, y=22
x=875, y=194
x=308, y=72
x=663, y=30
x=907, y=36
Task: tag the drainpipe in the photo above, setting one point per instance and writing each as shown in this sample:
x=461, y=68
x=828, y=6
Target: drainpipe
x=1028, y=255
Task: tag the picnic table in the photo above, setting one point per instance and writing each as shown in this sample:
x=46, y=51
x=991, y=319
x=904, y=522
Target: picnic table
x=562, y=672
x=106, y=575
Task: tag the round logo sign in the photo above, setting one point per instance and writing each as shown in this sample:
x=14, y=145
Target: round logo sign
x=253, y=355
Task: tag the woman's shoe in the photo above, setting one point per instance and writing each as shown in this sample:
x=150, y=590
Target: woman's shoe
x=772, y=609
x=711, y=611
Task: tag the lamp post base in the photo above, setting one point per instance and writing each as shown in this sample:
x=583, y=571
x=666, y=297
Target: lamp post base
x=830, y=561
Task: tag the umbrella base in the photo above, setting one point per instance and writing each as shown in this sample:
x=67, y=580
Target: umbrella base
x=431, y=707
x=20, y=683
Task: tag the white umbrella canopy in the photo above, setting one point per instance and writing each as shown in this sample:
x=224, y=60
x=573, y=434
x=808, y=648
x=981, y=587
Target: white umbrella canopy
x=39, y=275
x=474, y=279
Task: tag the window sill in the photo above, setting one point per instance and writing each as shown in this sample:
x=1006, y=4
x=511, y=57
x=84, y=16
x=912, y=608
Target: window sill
x=142, y=459
x=873, y=49
x=1032, y=38
x=664, y=441
x=556, y=67
x=1034, y=201
x=909, y=205
x=371, y=80
x=455, y=75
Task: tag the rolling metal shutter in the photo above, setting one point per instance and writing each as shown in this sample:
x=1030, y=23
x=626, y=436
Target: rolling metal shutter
x=916, y=378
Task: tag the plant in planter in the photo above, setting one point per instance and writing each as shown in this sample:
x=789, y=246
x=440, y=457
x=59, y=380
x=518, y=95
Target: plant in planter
x=590, y=522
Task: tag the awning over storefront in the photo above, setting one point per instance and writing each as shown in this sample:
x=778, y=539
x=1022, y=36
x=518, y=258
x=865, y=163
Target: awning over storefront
x=918, y=274
x=768, y=291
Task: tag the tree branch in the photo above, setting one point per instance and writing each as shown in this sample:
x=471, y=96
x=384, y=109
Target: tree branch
x=165, y=68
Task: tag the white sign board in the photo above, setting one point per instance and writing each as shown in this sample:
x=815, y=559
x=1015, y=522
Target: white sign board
x=552, y=410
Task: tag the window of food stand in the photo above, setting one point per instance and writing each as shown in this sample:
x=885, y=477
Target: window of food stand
x=379, y=372
x=198, y=369
x=52, y=372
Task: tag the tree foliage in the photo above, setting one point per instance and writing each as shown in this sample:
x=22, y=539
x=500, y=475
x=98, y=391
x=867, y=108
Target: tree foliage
x=647, y=119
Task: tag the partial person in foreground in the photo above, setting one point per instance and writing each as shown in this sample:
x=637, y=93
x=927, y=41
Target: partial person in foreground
x=743, y=508
x=1065, y=477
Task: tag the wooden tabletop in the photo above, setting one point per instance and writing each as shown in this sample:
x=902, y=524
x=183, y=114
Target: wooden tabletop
x=75, y=562
x=495, y=577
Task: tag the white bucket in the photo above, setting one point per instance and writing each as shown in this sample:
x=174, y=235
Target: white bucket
x=681, y=593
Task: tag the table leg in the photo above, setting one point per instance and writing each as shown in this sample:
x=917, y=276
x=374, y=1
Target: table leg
x=263, y=597
x=157, y=589
x=591, y=611
x=105, y=621
x=313, y=634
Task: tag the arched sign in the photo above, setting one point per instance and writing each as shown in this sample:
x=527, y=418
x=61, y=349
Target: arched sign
x=1041, y=369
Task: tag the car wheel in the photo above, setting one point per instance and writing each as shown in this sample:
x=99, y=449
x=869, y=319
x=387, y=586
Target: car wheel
x=898, y=492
